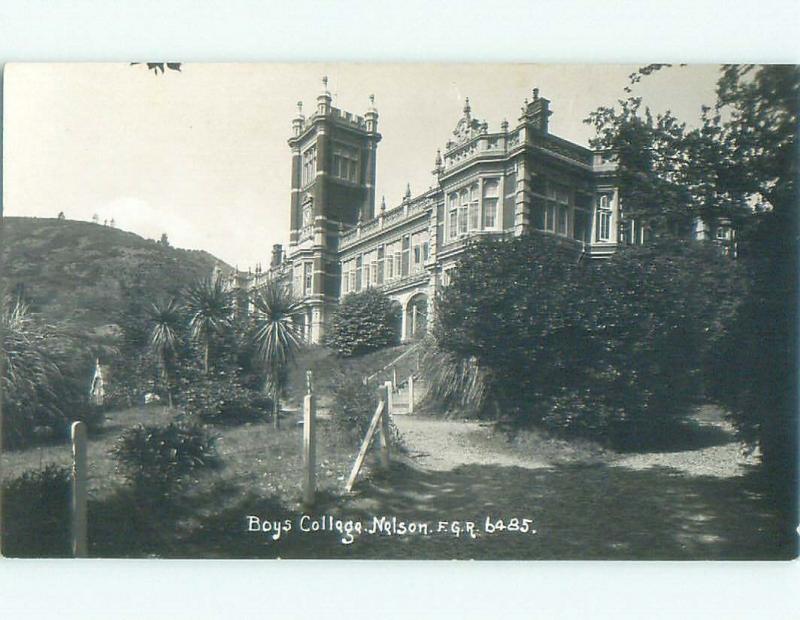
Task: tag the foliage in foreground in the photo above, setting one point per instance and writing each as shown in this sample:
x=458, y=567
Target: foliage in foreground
x=741, y=159
x=612, y=350
x=36, y=520
x=364, y=322
x=155, y=459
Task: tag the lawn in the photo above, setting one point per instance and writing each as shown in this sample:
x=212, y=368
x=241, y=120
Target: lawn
x=598, y=509
x=257, y=462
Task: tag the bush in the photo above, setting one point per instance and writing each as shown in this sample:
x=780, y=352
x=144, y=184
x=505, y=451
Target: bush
x=36, y=514
x=223, y=399
x=364, y=322
x=155, y=459
x=610, y=350
x=353, y=407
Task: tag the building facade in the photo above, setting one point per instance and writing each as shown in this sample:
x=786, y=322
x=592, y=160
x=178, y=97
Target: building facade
x=485, y=183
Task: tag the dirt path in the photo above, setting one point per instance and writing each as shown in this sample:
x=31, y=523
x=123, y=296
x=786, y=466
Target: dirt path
x=442, y=445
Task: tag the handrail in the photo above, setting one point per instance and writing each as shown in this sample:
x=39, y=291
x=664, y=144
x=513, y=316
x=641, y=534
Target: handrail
x=394, y=361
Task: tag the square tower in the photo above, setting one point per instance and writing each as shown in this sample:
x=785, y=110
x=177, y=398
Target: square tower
x=333, y=188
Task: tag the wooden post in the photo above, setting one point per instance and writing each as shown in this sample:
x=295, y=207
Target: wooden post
x=309, y=445
x=362, y=452
x=78, y=505
x=410, y=394
x=385, y=394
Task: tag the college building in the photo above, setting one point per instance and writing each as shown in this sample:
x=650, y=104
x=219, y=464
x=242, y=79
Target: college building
x=507, y=181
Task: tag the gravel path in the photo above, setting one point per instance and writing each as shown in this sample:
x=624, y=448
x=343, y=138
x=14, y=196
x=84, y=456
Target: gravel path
x=442, y=445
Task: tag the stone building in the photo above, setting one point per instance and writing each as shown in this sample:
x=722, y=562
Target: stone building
x=485, y=183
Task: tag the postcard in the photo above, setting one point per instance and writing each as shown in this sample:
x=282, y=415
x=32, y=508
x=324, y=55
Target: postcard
x=399, y=311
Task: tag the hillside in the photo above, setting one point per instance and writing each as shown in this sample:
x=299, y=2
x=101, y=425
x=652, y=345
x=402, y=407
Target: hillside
x=87, y=274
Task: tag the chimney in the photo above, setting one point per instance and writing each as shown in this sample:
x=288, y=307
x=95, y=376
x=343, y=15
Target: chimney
x=537, y=112
x=277, y=255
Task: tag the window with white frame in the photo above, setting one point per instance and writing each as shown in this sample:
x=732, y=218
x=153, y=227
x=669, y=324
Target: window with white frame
x=380, y=264
x=359, y=263
x=308, y=277
x=309, y=164
x=562, y=220
x=603, y=219
x=463, y=208
x=491, y=192
x=452, y=220
x=550, y=217
x=474, y=208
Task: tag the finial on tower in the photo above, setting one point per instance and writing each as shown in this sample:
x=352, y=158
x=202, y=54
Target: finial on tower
x=325, y=82
x=407, y=195
x=372, y=100
x=383, y=204
x=467, y=108
x=535, y=94
x=300, y=108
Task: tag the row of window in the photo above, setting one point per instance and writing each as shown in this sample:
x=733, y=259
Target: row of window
x=469, y=210
x=344, y=163
x=386, y=263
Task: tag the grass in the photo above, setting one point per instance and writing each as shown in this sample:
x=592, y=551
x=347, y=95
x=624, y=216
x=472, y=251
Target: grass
x=581, y=510
x=261, y=468
x=328, y=369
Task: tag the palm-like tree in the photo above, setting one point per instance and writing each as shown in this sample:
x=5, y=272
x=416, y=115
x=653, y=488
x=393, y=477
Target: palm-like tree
x=210, y=309
x=30, y=376
x=165, y=323
x=275, y=336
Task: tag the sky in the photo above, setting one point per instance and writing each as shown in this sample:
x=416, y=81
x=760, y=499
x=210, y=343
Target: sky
x=202, y=154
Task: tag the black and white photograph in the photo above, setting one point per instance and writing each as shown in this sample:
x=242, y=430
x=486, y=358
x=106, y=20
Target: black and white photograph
x=399, y=311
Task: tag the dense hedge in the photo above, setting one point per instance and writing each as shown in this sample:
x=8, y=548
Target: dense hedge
x=364, y=322
x=613, y=350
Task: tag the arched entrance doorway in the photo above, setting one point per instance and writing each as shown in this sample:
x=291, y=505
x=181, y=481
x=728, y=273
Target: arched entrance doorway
x=416, y=316
x=397, y=317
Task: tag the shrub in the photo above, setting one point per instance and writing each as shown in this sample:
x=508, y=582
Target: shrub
x=155, y=459
x=353, y=407
x=364, y=322
x=222, y=398
x=36, y=516
x=611, y=350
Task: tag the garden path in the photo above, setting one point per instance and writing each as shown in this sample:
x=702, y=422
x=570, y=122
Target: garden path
x=440, y=445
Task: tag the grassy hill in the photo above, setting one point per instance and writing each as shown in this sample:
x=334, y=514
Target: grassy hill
x=86, y=274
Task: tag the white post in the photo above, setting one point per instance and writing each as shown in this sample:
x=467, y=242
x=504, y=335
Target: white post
x=410, y=394
x=394, y=378
x=309, y=446
x=78, y=504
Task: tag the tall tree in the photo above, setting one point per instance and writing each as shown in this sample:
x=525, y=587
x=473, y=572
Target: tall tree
x=740, y=162
x=757, y=373
x=165, y=320
x=210, y=309
x=276, y=337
